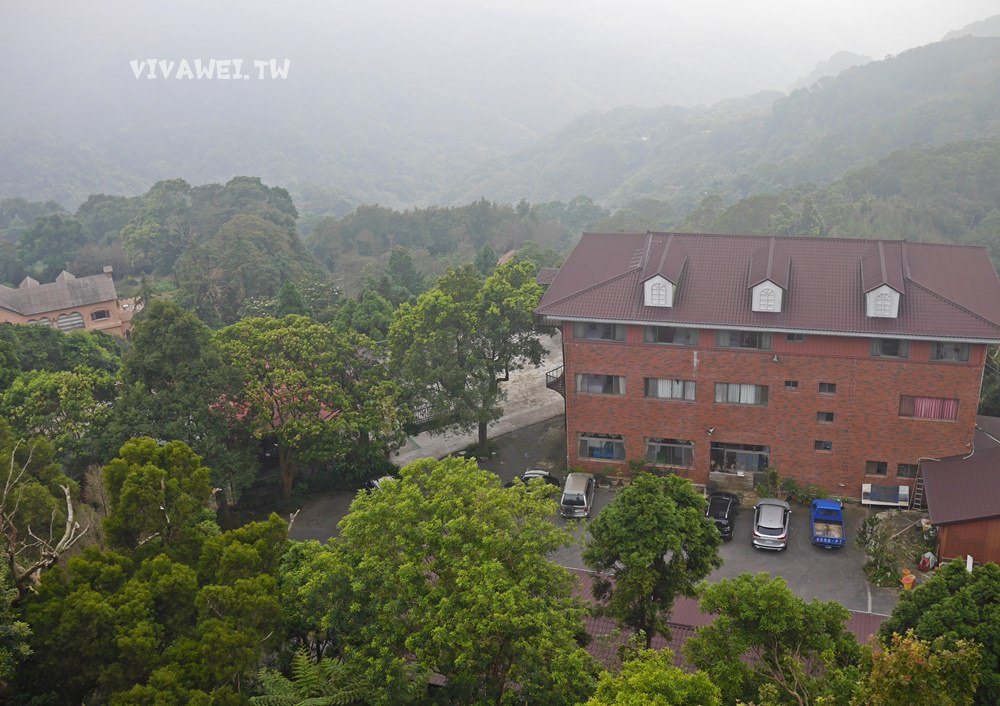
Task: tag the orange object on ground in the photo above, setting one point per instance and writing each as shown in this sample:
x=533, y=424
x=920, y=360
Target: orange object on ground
x=908, y=580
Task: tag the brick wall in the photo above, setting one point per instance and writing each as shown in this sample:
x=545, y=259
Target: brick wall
x=866, y=426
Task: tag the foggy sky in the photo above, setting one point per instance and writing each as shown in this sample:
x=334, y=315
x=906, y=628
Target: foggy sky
x=780, y=40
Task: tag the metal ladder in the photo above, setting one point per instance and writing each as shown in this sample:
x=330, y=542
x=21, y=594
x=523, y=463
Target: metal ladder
x=917, y=499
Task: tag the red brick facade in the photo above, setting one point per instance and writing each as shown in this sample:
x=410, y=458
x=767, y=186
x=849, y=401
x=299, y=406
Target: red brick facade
x=866, y=425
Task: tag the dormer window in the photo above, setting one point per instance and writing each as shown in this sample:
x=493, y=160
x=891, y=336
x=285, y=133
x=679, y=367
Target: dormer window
x=766, y=296
x=658, y=294
x=658, y=291
x=882, y=303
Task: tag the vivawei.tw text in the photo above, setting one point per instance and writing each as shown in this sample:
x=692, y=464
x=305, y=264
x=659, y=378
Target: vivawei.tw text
x=210, y=69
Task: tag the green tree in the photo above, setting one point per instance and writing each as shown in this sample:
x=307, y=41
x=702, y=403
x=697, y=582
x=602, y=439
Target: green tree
x=174, y=381
x=908, y=670
x=152, y=626
x=14, y=633
x=650, y=545
x=447, y=573
x=767, y=643
x=955, y=604
x=154, y=491
x=318, y=392
x=290, y=301
x=651, y=679
x=370, y=314
x=486, y=260
x=463, y=338
x=71, y=409
x=49, y=244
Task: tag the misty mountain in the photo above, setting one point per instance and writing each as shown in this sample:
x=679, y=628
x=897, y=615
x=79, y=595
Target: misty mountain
x=932, y=95
x=840, y=61
x=990, y=27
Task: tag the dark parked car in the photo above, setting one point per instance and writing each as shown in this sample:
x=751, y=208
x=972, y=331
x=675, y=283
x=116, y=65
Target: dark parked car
x=771, y=518
x=722, y=509
x=544, y=476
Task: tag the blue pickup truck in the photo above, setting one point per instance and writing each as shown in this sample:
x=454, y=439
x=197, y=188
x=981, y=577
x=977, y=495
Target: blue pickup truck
x=827, y=524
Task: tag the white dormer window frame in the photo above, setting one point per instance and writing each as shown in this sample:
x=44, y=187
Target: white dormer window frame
x=658, y=291
x=882, y=303
x=767, y=297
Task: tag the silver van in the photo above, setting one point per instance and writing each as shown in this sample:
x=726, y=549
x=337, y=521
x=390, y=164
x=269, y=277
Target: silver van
x=577, y=496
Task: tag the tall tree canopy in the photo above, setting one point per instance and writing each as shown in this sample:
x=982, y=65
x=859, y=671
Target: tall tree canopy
x=319, y=392
x=955, y=604
x=446, y=573
x=767, y=644
x=651, y=679
x=463, y=338
x=650, y=545
x=173, y=379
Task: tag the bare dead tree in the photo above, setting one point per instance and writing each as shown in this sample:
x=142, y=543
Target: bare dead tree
x=28, y=556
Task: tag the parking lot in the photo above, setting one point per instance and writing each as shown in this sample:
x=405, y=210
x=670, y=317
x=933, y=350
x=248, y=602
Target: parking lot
x=811, y=572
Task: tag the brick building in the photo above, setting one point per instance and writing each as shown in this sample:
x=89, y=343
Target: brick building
x=68, y=304
x=839, y=362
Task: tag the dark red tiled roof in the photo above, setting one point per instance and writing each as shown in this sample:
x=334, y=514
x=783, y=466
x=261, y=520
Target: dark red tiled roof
x=949, y=291
x=963, y=488
x=770, y=262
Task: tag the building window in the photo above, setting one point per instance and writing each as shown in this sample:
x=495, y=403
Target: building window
x=928, y=408
x=876, y=468
x=767, y=299
x=824, y=417
x=792, y=385
x=828, y=388
x=737, y=393
x=795, y=337
x=670, y=452
x=823, y=445
x=883, y=304
x=950, y=351
x=671, y=334
x=606, y=446
x=70, y=322
x=600, y=384
x=731, y=458
x=906, y=470
x=599, y=331
x=670, y=389
x=44, y=321
x=755, y=340
x=658, y=294
x=890, y=348
x=100, y=314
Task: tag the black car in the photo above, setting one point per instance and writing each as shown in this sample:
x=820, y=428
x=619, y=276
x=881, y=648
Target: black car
x=722, y=509
x=534, y=473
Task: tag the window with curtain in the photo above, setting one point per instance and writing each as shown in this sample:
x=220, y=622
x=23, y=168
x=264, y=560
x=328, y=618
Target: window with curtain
x=890, y=348
x=606, y=446
x=671, y=334
x=950, y=351
x=670, y=389
x=600, y=384
x=599, y=331
x=743, y=339
x=740, y=393
x=670, y=452
x=928, y=408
